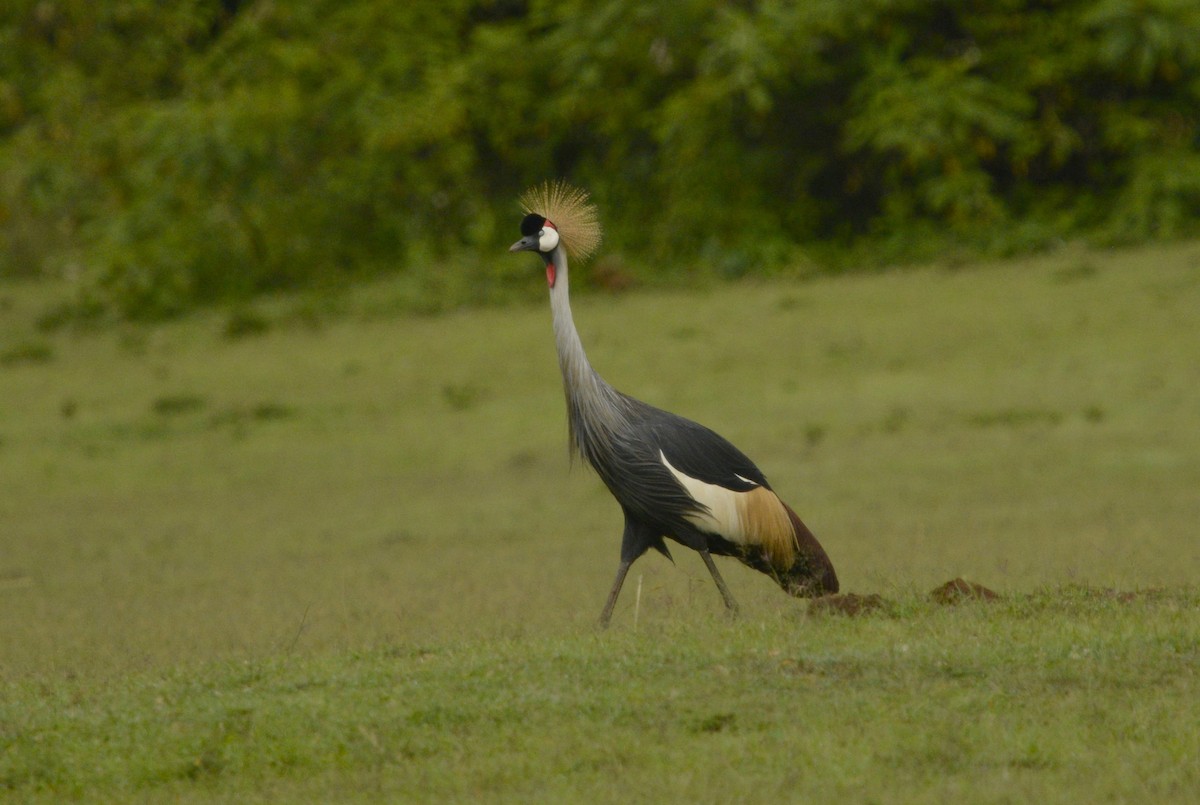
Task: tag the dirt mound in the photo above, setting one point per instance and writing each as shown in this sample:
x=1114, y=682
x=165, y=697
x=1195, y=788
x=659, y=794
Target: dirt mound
x=952, y=592
x=958, y=590
x=850, y=604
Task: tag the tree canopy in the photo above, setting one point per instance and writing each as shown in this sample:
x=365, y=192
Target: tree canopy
x=170, y=154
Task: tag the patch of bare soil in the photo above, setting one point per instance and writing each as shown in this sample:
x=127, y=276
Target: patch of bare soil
x=958, y=590
x=850, y=604
x=952, y=592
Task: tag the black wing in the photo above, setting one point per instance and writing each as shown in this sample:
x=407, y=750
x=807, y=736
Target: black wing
x=701, y=453
x=629, y=461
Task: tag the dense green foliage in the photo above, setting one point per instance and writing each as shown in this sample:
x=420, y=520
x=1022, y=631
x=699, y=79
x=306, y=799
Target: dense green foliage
x=171, y=153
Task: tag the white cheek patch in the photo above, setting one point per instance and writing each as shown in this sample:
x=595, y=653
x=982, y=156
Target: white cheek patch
x=548, y=239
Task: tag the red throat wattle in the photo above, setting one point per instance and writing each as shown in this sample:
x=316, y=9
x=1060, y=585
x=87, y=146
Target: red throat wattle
x=551, y=273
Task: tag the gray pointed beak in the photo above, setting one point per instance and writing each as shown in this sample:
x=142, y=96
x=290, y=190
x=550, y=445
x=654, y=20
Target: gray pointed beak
x=526, y=244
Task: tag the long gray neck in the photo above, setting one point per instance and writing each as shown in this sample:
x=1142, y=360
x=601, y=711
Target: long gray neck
x=595, y=411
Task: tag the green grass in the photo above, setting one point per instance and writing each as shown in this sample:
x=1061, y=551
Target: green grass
x=340, y=556
x=1064, y=696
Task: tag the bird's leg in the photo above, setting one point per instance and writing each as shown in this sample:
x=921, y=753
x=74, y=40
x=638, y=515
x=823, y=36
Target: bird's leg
x=730, y=604
x=606, y=615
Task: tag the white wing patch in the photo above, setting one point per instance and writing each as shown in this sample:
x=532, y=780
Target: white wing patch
x=722, y=516
x=755, y=517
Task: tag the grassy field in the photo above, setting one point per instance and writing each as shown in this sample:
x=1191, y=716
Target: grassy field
x=321, y=551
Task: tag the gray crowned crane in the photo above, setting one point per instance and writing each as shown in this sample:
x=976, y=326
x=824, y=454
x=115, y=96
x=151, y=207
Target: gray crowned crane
x=673, y=477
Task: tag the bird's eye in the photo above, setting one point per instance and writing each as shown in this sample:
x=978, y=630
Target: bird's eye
x=541, y=232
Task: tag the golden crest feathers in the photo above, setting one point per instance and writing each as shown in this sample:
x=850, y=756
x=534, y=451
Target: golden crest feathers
x=573, y=215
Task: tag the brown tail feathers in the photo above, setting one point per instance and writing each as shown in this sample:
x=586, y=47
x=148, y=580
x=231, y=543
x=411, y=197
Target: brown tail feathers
x=811, y=574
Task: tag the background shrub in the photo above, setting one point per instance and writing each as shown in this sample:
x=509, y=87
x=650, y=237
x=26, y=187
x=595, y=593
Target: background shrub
x=167, y=155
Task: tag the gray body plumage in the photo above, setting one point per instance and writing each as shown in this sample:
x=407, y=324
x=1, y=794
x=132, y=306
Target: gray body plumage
x=619, y=436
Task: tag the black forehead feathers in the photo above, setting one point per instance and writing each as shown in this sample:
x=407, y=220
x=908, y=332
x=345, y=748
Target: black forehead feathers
x=532, y=224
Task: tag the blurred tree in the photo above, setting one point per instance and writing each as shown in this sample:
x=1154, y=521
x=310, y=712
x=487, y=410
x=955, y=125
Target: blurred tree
x=168, y=155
